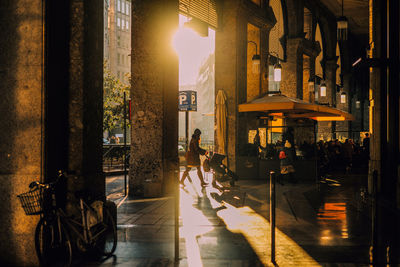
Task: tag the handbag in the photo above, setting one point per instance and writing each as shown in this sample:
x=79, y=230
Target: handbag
x=206, y=165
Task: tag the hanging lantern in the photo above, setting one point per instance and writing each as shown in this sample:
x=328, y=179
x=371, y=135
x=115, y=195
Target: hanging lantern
x=322, y=89
x=311, y=85
x=342, y=27
x=343, y=98
x=256, y=59
x=277, y=72
x=358, y=104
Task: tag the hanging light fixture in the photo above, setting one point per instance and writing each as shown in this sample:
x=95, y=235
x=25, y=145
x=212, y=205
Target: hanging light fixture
x=343, y=98
x=256, y=59
x=311, y=85
x=277, y=72
x=342, y=27
x=322, y=89
x=358, y=104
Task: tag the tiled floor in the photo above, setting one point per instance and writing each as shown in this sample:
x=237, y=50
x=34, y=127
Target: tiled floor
x=326, y=225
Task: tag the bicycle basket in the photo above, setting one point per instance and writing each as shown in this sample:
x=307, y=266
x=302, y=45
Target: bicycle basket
x=31, y=201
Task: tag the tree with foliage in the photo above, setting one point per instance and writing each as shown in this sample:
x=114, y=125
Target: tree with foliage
x=113, y=99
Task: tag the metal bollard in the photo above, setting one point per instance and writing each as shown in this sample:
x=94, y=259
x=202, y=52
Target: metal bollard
x=177, y=214
x=376, y=257
x=272, y=207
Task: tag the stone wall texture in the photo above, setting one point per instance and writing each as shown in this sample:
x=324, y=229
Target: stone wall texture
x=154, y=94
x=21, y=123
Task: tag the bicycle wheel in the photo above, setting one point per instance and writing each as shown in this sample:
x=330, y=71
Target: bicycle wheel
x=52, y=243
x=106, y=242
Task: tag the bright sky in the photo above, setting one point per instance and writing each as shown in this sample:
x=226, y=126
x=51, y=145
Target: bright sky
x=193, y=50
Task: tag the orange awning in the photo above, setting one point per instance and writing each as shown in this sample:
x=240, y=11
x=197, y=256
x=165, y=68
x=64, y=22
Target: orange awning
x=295, y=108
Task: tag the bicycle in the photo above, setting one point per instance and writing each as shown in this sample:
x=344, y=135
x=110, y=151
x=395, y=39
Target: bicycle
x=94, y=229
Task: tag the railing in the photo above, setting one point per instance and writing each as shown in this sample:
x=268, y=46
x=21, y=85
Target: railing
x=113, y=157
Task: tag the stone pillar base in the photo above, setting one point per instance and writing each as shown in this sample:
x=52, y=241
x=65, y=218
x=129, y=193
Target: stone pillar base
x=152, y=189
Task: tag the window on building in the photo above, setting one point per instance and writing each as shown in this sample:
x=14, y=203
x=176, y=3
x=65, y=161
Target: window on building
x=118, y=58
x=123, y=6
x=123, y=24
x=119, y=6
x=123, y=59
x=119, y=74
x=118, y=22
x=127, y=25
x=127, y=8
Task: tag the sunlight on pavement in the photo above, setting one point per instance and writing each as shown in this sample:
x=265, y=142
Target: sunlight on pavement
x=256, y=229
x=194, y=224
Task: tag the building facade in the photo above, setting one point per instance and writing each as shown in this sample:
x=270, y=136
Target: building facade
x=117, y=38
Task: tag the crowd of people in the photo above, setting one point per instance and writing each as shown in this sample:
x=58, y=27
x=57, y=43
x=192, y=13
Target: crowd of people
x=347, y=156
x=332, y=156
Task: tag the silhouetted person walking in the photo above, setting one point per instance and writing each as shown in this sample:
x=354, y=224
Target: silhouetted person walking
x=193, y=157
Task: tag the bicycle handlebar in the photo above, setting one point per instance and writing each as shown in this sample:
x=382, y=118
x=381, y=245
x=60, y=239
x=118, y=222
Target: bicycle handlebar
x=48, y=185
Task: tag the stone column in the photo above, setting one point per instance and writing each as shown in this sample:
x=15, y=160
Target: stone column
x=51, y=106
x=292, y=84
x=21, y=73
x=326, y=130
x=86, y=95
x=230, y=40
x=154, y=95
x=343, y=126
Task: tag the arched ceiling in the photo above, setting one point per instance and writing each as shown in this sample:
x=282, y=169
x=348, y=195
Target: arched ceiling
x=356, y=12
